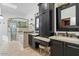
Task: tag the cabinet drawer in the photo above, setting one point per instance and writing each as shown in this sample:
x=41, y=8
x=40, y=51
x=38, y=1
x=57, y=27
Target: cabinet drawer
x=36, y=40
x=42, y=42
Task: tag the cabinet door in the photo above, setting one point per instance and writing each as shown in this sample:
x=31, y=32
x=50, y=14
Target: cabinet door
x=71, y=50
x=41, y=24
x=57, y=48
x=30, y=40
x=44, y=23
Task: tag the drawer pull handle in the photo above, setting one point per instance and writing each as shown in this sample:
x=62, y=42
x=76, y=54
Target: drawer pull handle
x=73, y=46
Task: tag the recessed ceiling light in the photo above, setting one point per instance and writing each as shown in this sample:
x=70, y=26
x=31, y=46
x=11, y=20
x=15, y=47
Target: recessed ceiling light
x=9, y=5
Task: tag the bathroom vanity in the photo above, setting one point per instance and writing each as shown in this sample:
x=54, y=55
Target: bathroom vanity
x=64, y=46
x=31, y=39
x=41, y=41
x=67, y=20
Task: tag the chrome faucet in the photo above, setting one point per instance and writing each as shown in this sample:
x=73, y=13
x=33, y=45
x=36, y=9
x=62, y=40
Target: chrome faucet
x=67, y=34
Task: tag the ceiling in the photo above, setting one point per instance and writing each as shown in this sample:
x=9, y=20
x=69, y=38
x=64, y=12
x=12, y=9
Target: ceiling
x=23, y=9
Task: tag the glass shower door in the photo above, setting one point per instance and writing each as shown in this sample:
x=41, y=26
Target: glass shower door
x=13, y=31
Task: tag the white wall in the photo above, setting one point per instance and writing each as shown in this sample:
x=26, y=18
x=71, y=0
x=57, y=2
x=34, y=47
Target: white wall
x=73, y=21
x=34, y=9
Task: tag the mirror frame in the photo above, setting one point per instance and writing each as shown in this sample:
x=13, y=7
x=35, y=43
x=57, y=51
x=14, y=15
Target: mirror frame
x=58, y=17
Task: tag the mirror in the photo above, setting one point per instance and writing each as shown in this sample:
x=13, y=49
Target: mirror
x=37, y=23
x=67, y=18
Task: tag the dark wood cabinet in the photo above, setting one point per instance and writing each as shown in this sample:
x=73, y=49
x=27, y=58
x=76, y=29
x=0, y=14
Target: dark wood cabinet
x=31, y=40
x=44, y=23
x=71, y=49
x=46, y=19
x=43, y=7
x=40, y=42
x=59, y=48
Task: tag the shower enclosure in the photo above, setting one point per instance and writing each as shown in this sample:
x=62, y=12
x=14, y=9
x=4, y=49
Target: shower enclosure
x=13, y=24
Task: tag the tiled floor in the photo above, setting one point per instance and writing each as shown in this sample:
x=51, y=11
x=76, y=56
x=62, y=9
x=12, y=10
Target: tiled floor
x=13, y=49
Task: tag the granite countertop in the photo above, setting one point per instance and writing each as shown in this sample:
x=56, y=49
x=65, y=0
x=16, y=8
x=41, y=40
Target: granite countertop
x=65, y=39
x=34, y=33
x=42, y=38
x=23, y=30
